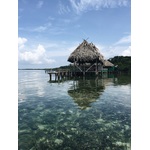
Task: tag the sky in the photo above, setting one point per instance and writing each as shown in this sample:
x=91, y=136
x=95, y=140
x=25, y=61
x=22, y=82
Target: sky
x=49, y=30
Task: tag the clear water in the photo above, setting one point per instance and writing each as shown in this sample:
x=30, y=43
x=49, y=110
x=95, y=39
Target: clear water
x=80, y=114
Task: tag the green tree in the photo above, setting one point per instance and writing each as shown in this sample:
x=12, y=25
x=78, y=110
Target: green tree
x=122, y=63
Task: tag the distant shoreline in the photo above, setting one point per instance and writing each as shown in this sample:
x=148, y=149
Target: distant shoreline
x=34, y=69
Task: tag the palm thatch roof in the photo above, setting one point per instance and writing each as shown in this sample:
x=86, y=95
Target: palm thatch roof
x=86, y=53
x=108, y=63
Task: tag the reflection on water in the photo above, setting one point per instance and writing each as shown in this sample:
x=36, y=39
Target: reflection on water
x=75, y=114
x=123, y=80
x=85, y=92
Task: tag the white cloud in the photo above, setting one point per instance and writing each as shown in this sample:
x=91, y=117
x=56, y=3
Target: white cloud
x=42, y=28
x=127, y=52
x=84, y=5
x=21, y=42
x=40, y=4
x=114, y=50
x=124, y=40
x=62, y=49
x=35, y=56
x=63, y=8
x=120, y=48
x=51, y=18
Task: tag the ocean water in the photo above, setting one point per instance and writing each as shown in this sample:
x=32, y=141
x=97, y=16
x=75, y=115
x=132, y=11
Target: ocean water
x=73, y=114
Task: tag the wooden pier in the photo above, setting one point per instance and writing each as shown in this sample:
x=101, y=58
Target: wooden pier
x=59, y=74
x=65, y=74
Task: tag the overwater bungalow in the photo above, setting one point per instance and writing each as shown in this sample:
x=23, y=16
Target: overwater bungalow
x=86, y=58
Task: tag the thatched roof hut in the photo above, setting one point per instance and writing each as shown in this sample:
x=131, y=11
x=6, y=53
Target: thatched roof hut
x=87, y=58
x=108, y=63
x=86, y=53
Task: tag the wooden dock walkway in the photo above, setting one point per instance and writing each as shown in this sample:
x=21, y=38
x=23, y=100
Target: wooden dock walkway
x=59, y=74
x=65, y=74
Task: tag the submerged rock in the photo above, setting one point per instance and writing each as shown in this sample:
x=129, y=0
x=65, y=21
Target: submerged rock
x=127, y=145
x=58, y=141
x=99, y=121
x=41, y=127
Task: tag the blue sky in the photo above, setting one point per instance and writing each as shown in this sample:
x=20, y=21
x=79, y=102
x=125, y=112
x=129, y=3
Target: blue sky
x=49, y=30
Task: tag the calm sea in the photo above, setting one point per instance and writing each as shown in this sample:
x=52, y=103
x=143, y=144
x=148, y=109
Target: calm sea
x=75, y=114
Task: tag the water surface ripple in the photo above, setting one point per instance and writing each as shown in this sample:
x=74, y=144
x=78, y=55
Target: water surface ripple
x=79, y=114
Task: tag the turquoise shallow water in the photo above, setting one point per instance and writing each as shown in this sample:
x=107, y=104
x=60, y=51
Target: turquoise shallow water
x=80, y=114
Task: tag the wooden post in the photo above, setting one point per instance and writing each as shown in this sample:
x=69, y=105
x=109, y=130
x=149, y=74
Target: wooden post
x=50, y=75
x=102, y=71
x=83, y=73
x=84, y=69
x=74, y=68
x=58, y=75
x=55, y=76
x=96, y=69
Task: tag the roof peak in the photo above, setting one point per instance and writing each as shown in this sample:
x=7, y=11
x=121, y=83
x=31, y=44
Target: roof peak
x=86, y=52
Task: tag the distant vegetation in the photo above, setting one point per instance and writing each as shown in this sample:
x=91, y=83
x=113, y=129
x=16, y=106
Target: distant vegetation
x=122, y=63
